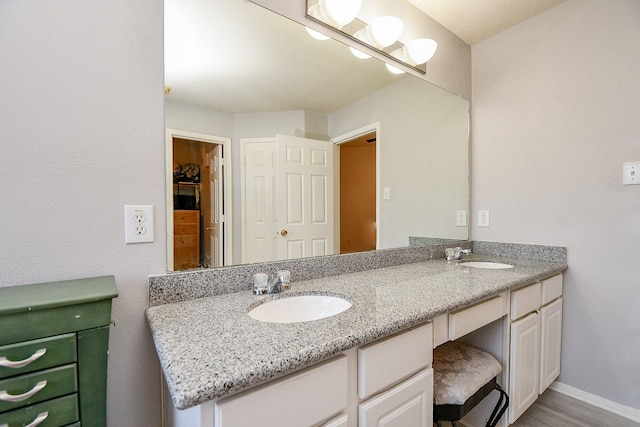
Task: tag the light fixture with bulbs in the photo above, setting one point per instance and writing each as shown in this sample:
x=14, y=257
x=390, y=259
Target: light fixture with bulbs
x=382, y=34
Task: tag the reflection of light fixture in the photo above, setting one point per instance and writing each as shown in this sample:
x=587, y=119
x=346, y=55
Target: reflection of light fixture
x=316, y=34
x=336, y=13
x=416, y=51
x=358, y=53
x=381, y=32
x=392, y=69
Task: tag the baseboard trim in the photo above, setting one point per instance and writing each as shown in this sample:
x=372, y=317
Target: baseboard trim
x=600, y=402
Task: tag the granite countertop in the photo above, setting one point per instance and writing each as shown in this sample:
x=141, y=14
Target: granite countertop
x=209, y=347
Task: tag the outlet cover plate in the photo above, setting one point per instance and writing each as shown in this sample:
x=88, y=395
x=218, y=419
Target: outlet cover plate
x=483, y=218
x=138, y=224
x=631, y=173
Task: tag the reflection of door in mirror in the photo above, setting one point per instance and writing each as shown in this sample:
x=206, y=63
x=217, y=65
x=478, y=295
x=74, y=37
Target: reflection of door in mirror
x=197, y=197
x=358, y=231
x=287, y=198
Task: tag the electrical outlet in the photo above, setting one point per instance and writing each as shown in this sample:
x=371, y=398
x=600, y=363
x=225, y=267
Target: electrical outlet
x=483, y=218
x=461, y=218
x=138, y=224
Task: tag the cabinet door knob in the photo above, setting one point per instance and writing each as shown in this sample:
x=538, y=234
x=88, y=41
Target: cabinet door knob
x=283, y=232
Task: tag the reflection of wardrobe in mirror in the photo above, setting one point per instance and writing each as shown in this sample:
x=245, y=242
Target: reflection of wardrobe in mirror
x=197, y=193
x=287, y=198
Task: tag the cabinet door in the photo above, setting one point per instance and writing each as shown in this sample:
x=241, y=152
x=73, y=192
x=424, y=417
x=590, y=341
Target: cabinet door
x=551, y=343
x=525, y=364
x=409, y=404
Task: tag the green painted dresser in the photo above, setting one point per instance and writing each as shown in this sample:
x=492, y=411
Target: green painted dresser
x=54, y=340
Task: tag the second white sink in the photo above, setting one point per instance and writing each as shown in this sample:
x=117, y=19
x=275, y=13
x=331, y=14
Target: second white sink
x=299, y=308
x=486, y=264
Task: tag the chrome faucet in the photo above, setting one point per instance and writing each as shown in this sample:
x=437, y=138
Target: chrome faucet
x=453, y=254
x=263, y=284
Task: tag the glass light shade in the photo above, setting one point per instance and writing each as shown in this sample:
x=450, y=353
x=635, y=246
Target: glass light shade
x=394, y=70
x=384, y=31
x=316, y=35
x=339, y=13
x=420, y=51
x=359, y=54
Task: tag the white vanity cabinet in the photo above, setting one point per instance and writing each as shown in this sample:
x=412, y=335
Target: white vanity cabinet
x=388, y=362
x=535, y=342
x=385, y=383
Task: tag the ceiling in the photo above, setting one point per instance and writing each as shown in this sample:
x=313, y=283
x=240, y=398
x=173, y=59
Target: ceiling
x=476, y=20
x=213, y=62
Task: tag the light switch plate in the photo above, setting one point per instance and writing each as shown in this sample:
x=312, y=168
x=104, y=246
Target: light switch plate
x=461, y=218
x=138, y=224
x=631, y=173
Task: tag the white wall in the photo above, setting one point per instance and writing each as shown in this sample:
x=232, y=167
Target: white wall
x=81, y=122
x=424, y=145
x=555, y=114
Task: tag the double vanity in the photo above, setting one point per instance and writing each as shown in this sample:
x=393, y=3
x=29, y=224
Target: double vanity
x=369, y=364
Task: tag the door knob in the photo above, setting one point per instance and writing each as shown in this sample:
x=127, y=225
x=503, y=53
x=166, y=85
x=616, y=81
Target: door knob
x=208, y=228
x=283, y=232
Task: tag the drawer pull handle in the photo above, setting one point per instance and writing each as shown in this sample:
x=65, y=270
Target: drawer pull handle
x=22, y=363
x=40, y=418
x=20, y=397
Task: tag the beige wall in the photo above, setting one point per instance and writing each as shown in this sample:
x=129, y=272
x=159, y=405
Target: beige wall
x=555, y=114
x=82, y=134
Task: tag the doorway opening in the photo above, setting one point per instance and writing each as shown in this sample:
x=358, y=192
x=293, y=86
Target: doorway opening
x=358, y=190
x=197, y=229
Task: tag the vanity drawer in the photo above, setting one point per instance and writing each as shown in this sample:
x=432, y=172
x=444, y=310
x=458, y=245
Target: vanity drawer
x=551, y=288
x=57, y=412
x=525, y=300
x=471, y=318
x=302, y=399
x=29, y=356
x=23, y=390
x=393, y=359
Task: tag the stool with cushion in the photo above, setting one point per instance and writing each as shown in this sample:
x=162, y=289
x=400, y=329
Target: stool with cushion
x=463, y=376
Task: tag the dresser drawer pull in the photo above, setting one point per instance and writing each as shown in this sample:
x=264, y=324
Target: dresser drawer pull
x=22, y=363
x=40, y=418
x=20, y=397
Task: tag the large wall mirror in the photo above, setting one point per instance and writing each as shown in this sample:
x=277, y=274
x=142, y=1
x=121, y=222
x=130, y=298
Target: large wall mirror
x=280, y=145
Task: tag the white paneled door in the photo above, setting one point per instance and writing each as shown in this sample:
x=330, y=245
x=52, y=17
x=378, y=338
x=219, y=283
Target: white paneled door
x=288, y=198
x=305, y=202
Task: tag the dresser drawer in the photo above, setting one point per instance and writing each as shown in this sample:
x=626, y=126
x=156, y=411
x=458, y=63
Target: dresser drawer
x=469, y=319
x=525, y=300
x=57, y=412
x=393, y=359
x=23, y=390
x=305, y=398
x=29, y=356
x=551, y=288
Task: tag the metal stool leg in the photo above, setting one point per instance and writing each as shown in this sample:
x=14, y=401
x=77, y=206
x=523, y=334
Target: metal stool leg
x=499, y=409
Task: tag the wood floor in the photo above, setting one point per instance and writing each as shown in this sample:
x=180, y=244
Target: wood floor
x=559, y=410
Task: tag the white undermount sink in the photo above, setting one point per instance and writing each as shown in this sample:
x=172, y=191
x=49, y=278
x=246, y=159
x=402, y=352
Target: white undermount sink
x=299, y=308
x=486, y=264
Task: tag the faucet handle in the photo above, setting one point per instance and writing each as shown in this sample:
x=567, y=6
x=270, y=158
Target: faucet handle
x=285, y=279
x=260, y=283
